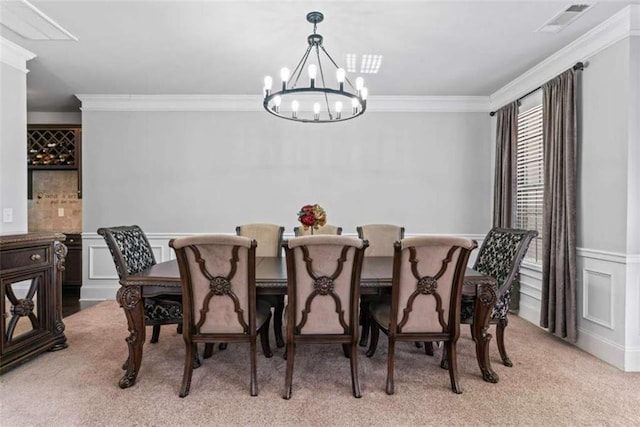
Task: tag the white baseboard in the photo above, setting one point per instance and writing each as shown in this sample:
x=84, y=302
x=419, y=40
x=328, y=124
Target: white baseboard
x=99, y=292
x=602, y=348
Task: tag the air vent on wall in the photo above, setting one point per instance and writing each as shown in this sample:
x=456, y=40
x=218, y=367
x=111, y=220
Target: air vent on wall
x=564, y=18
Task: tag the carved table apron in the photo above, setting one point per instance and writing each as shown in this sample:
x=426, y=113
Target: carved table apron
x=271, y=279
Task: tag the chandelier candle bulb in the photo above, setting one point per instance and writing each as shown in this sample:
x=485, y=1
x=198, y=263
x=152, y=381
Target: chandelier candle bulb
x=313, y=71
x=355, y=104
x=364, y=93
x=340, y=75
x=284, y=76
x=316, y=111
x=315, y=93
x=268, y=84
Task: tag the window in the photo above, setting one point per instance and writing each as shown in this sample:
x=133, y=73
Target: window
x=530, y=177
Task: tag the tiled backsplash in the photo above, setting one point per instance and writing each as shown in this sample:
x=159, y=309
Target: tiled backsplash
x=55, y=205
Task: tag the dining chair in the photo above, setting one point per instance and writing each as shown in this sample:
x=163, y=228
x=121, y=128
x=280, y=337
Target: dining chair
x=323, y=285
x=132, y=253
x=218, y=279
x=500, y=256
x=269, y=238
x=381, y=238
x=325, y=229
x=428, y=274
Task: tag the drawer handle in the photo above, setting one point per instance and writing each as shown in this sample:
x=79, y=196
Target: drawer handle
x=70, y=240
x=35, y=257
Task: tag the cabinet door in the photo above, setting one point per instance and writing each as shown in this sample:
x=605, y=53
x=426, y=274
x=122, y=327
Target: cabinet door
x=24, y=311
x=72, y=275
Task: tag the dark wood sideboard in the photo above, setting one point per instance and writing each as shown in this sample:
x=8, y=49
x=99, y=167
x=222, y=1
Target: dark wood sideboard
x=31, y=267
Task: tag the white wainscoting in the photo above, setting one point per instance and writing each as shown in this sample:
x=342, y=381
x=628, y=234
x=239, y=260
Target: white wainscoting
x=608, y=302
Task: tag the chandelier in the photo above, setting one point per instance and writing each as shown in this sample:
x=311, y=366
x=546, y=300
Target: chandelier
x=317, y=102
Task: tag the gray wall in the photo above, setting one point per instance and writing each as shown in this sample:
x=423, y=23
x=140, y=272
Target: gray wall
x=185, y=172
x=602, y=161
x=13, y=154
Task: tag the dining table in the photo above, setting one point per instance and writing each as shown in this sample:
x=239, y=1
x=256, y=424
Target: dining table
x=271, y=279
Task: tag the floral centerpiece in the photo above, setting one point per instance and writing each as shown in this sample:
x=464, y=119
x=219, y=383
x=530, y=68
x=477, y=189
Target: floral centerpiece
x=312, y=217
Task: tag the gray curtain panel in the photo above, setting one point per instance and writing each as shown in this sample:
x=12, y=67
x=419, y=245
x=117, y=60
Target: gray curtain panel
x=504, y=190
x=558, y=311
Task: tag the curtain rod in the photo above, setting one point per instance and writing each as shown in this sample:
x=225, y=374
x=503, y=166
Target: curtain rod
x=578, y=67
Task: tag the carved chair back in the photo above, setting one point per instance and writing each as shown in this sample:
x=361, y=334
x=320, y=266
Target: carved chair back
x=129, y=248
x=326, y=229
x=268, y=236
x=323, y=274
x=218, y=284
x=428, y=273
x=500, y=257
x=381, y=238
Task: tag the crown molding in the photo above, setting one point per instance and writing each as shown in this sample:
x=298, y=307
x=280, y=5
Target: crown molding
x=14, y=55
x=252, y=103
x=623, y=24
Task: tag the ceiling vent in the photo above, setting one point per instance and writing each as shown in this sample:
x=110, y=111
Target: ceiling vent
x=564, y=18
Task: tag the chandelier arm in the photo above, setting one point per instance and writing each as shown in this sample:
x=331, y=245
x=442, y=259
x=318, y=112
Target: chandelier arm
x=337, y=66
x=299, y=67
x=324, y=85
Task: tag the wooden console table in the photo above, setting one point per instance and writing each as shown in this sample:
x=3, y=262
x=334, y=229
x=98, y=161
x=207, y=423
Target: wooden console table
x=31, y=268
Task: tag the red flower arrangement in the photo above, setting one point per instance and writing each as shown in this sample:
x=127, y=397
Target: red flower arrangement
x=312, y=216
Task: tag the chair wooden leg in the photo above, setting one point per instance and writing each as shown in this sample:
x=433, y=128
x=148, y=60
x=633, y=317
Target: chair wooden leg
x=277, y=321
x=191, y=350
x=155, y=334
x=208, y=350
x=390, y=365
x=346, y=349
x=452, y=360
x=365, y=321
x=473, y=334
x=444, y=362
x=288, y=380
x=375, y=335
x=502, y=324
x=355, y=382
x=264, y=340
x=428, y=348
x=179, y=329
x=254, y=369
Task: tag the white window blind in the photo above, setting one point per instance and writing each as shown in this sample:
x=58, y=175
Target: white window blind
x=530, y=178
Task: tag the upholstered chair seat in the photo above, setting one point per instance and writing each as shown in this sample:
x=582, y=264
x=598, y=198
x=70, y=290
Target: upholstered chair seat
x=132, y=253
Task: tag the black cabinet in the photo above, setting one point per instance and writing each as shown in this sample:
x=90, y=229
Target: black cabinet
x=72, y=275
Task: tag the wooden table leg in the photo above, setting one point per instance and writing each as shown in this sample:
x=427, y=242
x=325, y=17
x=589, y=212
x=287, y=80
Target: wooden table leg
x=130, y=299
x=486, y=299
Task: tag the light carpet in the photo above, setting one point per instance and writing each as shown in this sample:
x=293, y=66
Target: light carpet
x=551, y=383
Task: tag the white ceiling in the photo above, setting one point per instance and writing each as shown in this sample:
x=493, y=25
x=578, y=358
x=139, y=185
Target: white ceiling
x=217, y=47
